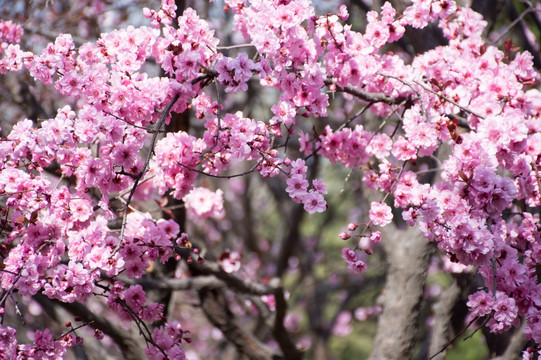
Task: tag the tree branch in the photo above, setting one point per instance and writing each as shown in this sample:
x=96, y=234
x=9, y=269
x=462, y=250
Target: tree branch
x=280, y=332
x=216, y=308
x=191, y=283
x=216, y=276
x=365, y=95
x=129, y=347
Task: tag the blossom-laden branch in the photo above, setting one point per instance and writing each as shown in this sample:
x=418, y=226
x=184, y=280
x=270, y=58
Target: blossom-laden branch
x=364, y=95
x=129, y=345
x=58, y=234
x=139, y=176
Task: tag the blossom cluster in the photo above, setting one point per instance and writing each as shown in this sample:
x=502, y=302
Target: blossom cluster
x=353, y=262
x=59, y=237
x=203, y=203
x=167, y=342
x=297, y=188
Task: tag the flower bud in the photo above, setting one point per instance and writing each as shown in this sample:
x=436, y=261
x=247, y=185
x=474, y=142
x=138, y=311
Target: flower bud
x=352, y=226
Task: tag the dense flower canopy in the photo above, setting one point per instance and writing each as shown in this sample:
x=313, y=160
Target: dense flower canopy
x=62, y=237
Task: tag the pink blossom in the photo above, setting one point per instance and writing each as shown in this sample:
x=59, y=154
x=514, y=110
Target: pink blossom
x=380, y=146
x=230, y=261
x=375, y=237
x=135, y=268
x=444, y=8
x=8, y=342
x=10, y=32
x=342, y=326
x=480, y=303
x=363, y=313
x=81, y=209
x=403, y=149
x=169, y=339
x=349, y=255
x=505, y=313
x=203, y=203
x=297, y=186
x=152, y=312
x=285, y=112
x=424, y=136
x=354, y=264
x=319, y=186
x=352, y=226
x=357, y=266
x=305, y=143
x=298, y=167
x=377, y=33
x=380, y=213
x=418, y=15
x=314, y=202
x=135, y=297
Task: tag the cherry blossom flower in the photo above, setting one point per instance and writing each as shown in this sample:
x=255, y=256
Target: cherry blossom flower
x=58, y=241
x=203, y=203
x=342, y=326
x=380, y=213
x=230, y=261
x=480, y=303
x=297, y=186
x=505, y=313
x=314, y=202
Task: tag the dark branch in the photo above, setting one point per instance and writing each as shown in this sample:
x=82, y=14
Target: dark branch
x=365, y=95
x=128, y=346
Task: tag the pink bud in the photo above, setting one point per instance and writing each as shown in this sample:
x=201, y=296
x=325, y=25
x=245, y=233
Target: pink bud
x=343, y=13
x=344, y=235
x=352, y=226
x=375, y=237
x=147, y=12
x=364, y=243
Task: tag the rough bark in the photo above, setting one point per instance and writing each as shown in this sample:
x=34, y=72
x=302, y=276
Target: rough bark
x=216, y=308
x=442, y=331
x=517, y=343
x=408, y=254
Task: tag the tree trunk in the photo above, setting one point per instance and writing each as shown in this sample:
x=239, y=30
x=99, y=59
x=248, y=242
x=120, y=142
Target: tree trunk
x=408, y=254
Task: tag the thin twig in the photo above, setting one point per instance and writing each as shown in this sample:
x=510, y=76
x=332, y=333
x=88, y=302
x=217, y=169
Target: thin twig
x=252, y=169
x=448, y=100
x=454, y=338
x=423, y=109
x=231, y=47
x=365, y=95
x=477, y=329
x=332, y=35
x=140, y=183
x=359, y=113
x=143, y=170
x=513, y=24
x=219, y=127
x=129, y=123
